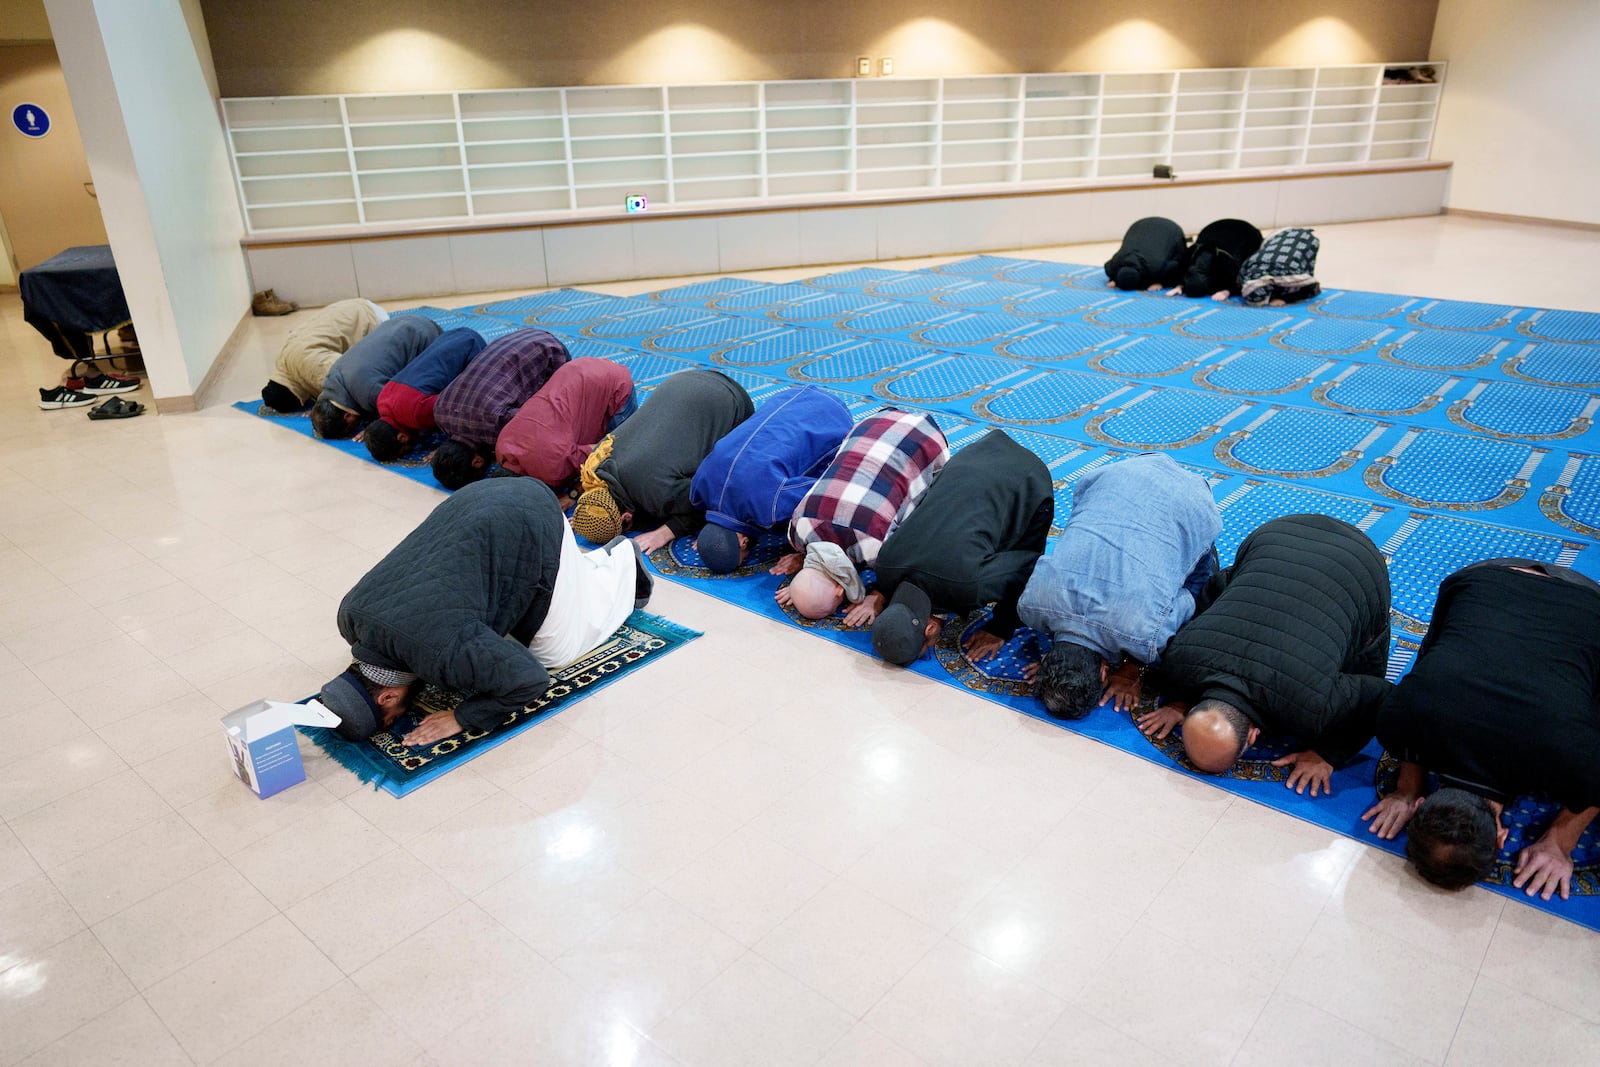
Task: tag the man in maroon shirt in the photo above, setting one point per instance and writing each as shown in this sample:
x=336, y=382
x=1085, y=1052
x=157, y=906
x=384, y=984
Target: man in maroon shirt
x=553, y=433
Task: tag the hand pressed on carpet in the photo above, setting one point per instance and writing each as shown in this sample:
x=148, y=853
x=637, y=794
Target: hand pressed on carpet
x=1123, y=687
x=1544, y=868
x=866, y=612
x=647, y=543
x=788, y=563
x=1308, y=769
x=1161, y=722
x=436, y=727
x=1390, y=815
x=984, y=645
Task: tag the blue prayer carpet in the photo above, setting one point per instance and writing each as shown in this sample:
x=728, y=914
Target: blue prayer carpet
x=1448, y=431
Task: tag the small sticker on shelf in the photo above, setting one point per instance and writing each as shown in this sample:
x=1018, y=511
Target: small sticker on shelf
x=636, y=202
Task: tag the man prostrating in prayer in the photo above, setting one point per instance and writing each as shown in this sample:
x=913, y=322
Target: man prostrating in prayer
x=486, y=597
x=1138, y=547
x=1503, y=700
x=1294, y=640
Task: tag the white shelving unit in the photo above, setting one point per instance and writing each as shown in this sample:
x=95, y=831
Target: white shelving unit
x=377, y=160
x=1060, y=122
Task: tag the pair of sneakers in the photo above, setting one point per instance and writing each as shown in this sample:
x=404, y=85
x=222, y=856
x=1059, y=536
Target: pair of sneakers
x=81, y=392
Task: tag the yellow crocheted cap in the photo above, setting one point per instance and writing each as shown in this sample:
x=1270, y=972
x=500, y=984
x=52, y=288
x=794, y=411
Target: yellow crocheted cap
x=595, y=516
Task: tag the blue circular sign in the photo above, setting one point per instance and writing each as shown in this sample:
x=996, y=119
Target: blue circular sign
x=30, y=120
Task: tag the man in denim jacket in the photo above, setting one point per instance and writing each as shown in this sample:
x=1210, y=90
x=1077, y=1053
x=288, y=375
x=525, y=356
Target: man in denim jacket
x=1123, y=577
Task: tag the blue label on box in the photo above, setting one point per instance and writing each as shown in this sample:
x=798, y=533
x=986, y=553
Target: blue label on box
x=276, y=758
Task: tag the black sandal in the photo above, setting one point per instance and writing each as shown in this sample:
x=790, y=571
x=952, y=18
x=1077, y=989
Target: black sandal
x=116, y=408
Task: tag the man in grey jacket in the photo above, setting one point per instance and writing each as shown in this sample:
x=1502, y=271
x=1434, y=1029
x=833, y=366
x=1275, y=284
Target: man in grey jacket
x=350, y=391
x=485, y=597
x=641, y=481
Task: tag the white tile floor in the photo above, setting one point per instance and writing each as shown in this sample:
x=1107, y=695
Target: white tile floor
x=701, y=865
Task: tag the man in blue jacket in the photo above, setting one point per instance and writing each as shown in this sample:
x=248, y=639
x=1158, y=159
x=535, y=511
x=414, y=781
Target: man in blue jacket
x=350, y=391
x=755, y=476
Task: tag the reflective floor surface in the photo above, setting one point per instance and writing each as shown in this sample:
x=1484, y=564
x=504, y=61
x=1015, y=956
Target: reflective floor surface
x=762, y=850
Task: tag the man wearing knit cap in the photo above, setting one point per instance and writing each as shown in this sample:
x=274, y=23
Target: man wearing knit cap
x=487, y=596
x=973, y=540
x=553, y=433
x=875, y=481
x=638, y=477
x=406, y=402
x=350, y=392
x=755, y=476
x=311, y=348
x=473, y=409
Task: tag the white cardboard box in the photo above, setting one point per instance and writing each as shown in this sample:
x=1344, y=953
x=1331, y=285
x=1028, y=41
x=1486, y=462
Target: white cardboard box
x=262, y=743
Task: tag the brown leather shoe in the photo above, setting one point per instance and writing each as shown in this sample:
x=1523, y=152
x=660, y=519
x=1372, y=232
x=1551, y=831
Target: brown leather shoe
x=266, y=302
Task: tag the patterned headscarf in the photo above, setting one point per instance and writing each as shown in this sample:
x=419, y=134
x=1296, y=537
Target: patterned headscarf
x=595, y=516
x=384, y=675
x=587, y=477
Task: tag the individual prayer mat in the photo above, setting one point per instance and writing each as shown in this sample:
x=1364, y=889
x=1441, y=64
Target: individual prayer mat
x=386, y=761
x=413, y=465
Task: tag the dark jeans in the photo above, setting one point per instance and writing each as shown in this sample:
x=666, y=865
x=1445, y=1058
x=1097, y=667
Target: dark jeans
x=1196, y=582
x=622, y=416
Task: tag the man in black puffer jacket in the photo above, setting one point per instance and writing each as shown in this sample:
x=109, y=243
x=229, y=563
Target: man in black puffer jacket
x=481, y=598
x=1294, y=640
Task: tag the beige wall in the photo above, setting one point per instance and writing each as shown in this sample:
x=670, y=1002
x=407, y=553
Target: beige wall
x=42, y=195
x=1519, y=118
x=8, y=263
x=23, y=20
x=290, y=47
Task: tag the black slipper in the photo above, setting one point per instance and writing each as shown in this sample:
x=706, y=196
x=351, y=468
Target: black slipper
x=116, y=408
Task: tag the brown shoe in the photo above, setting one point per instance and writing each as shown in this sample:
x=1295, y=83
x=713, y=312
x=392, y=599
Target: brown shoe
x=267, y=303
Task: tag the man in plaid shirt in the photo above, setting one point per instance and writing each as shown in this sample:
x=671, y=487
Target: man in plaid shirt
x=875, y=480
x=475, y=407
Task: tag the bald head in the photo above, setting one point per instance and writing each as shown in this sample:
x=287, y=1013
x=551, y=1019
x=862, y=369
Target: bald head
x=1215, y=735
x=816, y=596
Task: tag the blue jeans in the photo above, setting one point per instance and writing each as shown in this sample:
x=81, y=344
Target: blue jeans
x=620, y=417
x=1196, y=582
